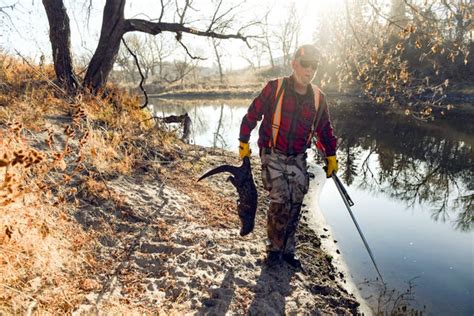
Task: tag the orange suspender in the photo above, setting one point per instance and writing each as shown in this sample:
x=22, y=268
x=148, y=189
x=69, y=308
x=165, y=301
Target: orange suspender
x=317, y=114
x=280, y=91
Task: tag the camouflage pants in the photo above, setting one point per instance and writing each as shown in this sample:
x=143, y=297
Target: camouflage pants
x=286, y=179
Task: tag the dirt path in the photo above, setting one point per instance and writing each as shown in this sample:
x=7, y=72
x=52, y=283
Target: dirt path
x=172, y=246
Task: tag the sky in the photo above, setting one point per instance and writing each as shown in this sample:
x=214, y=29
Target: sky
x=26, y=27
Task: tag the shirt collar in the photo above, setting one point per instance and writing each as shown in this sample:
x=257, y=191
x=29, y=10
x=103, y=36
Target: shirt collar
x=291, y=85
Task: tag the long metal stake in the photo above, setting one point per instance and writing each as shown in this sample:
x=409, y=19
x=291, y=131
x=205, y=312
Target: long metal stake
x=347, y=200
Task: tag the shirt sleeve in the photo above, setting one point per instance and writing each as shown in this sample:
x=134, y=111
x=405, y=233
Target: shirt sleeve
x=326, y=142
x=255, y=111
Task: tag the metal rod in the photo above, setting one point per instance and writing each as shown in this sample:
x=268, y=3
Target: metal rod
x=343, y=191
x=346, y=199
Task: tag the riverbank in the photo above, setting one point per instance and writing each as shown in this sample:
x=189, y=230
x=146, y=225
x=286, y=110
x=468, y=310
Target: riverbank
x=202, y=265
x=460, y=94
x=164, y=243
x=101, y=212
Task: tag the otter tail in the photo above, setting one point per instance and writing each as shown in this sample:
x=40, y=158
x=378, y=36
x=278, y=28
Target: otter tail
x=237, y=172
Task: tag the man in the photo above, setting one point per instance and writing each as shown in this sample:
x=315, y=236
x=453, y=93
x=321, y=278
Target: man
x=293, y=111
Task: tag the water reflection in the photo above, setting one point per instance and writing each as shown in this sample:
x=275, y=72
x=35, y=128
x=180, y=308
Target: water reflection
x=213, y=125
x=413, y=162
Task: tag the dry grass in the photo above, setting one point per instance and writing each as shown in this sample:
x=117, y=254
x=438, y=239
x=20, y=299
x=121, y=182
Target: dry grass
x=40, y=267
x=51, y=147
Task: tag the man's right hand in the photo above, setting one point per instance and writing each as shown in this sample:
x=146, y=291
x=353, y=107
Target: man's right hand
x=244, y=150
x=331, y=166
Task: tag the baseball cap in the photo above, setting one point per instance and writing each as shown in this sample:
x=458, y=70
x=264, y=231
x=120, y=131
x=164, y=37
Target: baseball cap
x=307, y=52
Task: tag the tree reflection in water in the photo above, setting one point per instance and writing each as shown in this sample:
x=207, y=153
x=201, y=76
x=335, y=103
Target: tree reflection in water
x=415, y=162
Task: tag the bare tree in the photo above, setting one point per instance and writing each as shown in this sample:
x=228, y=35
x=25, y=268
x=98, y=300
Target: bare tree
x=60, y=37
x=288, y=33
x=151, y=52
x=218, y=55
x=254, y=57
x=146, y=53
x=124, y=60
x=267, y=39
x=163, y=50
x=217, y=133
x=181, y=69
x=114, y=26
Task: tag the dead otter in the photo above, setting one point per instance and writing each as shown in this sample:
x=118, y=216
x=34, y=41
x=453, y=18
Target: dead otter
x=242, y=180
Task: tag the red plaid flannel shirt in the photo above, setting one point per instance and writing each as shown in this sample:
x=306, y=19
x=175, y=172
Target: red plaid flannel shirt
x=297, y=116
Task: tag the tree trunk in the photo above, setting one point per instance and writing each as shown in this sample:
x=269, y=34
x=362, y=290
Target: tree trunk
x=101, y=64
x=272, y=62
x=160, y=71
x=60, y=37
x=218, y=58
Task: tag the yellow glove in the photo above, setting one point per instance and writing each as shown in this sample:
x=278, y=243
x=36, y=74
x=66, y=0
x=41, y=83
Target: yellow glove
x=244, y=150
x=331, y=165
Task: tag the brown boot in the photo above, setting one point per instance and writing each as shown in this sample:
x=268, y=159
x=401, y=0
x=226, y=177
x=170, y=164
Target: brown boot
x=292, y=260
x=274, y=259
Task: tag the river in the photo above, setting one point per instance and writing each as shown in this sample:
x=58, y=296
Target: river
x=412, y=184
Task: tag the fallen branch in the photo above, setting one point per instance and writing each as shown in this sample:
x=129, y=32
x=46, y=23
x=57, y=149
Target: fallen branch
x=182, y=119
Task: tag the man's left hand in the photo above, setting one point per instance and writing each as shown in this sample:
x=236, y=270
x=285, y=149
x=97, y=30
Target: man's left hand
x=331, y=166
x=244, y=150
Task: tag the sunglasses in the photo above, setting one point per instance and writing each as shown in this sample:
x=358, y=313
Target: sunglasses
x=309, y=63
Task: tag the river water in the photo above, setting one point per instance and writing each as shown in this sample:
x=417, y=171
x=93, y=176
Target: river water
x=412, y=184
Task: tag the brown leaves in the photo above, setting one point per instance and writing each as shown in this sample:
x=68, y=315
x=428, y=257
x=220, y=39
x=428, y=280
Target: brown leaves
x=4, y=162
x=89, y=285
x=9, y=231
x=15, y=127
x=404, y=76
x=44, y=230
x=373, y=58
x=69, y=131
x=26, y=158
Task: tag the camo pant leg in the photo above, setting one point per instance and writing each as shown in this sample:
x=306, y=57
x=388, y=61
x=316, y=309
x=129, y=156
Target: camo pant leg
x=286, y=179
x=294, y=218
x=299, y=184
x=299, y=179
x=274, y=177
x=277, y=219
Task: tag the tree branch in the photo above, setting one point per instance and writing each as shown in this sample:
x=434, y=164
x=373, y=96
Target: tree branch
x=390, y=21
x=213, y=20
x=141, y=74
x=3, y=11
x=178, y=38
x=352, y=26
x=154, y=28
x=162, y=11
x=183, y=72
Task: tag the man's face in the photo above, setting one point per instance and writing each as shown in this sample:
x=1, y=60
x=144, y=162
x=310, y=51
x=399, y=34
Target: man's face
x=304, y=70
